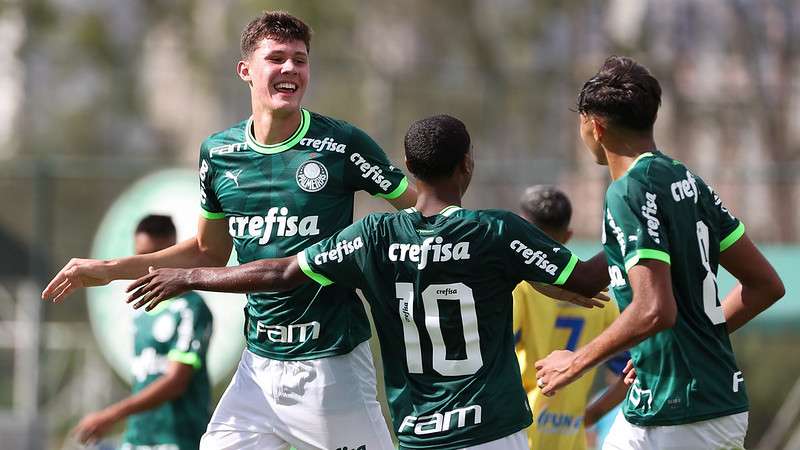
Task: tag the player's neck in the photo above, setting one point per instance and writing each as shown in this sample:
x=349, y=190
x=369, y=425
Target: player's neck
x=432, y=198
x=623, y=153
x=273, y=127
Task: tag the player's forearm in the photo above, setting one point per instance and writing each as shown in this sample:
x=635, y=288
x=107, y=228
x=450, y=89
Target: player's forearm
x=637, y=323
x=162, y=390
x=745, y=302
x=589, y=277
x=611, y=398
x=263, y=275
x=184, y=254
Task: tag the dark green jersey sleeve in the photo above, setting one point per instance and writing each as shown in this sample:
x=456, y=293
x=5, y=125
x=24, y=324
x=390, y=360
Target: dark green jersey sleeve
x=639, y=219
x=209, y=204
x=193, y=331
x=532, y=255
x=368, y=168
x=342, y=258
x=731, y=229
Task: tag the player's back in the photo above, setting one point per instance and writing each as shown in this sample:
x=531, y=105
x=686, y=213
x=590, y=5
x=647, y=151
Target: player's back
x=661, y=210
x=440, y=290
x=543, y=325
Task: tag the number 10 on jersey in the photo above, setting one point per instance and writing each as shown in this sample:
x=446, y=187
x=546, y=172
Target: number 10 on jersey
x=452, y=292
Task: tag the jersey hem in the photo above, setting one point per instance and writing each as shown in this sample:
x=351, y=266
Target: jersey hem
x=211, y=215
x=564, y=276
x=469, y=442
x=397, y=192
x=306, y=268
x=336, y=351
x=686, y=420
x=732, y=238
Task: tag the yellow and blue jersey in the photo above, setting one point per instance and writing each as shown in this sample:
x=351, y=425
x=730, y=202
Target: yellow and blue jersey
x=541, y=326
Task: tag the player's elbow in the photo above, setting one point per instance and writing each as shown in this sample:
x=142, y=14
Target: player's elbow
x=660, y=318
x=775, y=290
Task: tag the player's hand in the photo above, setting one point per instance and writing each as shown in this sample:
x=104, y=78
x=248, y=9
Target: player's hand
x=78, y=273
x=157, y=286
x=555, y=292
x=94, y=426
x=630, y=373
x=555, y=371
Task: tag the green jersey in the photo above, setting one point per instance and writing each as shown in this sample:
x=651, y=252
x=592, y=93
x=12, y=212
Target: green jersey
x=177, y=330
x=661, y=210
x=279, y=199
x=440, y=294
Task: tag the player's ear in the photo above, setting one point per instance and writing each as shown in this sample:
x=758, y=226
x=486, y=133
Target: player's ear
x=243, y=70
x=598, y=129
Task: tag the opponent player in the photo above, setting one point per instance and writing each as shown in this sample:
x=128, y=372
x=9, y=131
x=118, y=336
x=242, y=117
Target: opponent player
x=542, y=325
x=171, y=400
x=439, y=279
x=276, y=183
x=665, y=233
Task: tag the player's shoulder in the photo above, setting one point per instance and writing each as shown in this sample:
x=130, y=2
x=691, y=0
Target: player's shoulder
x=229, y=139
x=495, y=218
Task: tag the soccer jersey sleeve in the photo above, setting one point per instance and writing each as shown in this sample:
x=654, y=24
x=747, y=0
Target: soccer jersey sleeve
x=368, y=169
x=532, y=255
x=731, y=229
x=638, y=217
x=209, y=204
x=342, y=258
x=193, y=331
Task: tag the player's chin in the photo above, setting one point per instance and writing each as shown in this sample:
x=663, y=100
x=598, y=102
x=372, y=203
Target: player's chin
x=286, y=102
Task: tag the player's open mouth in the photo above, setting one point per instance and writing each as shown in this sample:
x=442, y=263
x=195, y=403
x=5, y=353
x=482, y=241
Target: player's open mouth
x=285, y=87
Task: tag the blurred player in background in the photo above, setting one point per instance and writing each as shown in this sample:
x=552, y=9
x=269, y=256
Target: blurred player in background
x=170, y=404
x=542, y=325
x=665, y=232
x=273, y=185
x=439, y=280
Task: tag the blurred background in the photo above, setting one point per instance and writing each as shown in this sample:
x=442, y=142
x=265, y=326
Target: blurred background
x=97, y=94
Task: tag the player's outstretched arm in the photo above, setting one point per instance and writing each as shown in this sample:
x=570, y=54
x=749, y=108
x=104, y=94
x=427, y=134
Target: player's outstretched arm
x=759, y=285
x=211, y=247
x=406, y=200
x=169, y=386
x=652, y=309
x=589, y=277
x=263, y=275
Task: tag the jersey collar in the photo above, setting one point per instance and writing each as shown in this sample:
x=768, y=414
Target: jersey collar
x=639, y=158
x=271, y=149
x=446, y=211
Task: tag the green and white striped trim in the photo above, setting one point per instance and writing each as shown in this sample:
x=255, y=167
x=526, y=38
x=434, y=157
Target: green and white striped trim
x=306, y=268
x=564, y=276
x=646, y=253
x=731, y=239
x=212, y=215
x=188, y=358
x=449, y=210
x=397, y=192
x=271, y=149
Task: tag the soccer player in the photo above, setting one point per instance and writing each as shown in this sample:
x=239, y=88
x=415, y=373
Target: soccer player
x=439, y=279
x=665, y=233
x=542, y=325
x=273, y=185
x=170, y=404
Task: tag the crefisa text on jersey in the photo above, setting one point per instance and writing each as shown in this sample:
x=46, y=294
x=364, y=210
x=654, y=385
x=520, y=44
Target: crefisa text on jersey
x=263, y=226
x=371, y=171
x=439, y=251
x=538, y=257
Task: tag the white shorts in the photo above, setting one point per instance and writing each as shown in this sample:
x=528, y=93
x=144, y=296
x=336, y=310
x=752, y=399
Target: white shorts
x=516, y=441
x=326, y=403
x=726, y=433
